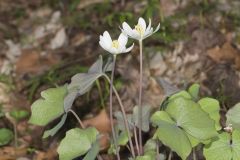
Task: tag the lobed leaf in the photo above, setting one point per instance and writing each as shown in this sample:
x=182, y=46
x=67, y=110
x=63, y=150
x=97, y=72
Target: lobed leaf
x=189, y=116
x=212, y=107
x=77, y=142
x=224, y=147
x=233, y=116
x=49, y=107
x=145, y=117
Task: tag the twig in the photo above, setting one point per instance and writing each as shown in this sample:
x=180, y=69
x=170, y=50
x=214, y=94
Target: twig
x=111, y=109
x=140, y=99
x=124, y=116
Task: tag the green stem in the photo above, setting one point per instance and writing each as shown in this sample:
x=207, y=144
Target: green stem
x=124, y=116
x=140, y=99
x=15, y=135
x=157, y=150
x=136, y=139
x=170, y=155
x=111, y=109
x=100, y=93
x=76, y=116
x=194, y=154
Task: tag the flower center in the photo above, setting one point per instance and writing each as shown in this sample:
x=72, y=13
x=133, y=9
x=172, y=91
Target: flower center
x=139, y=29
x=115, y=44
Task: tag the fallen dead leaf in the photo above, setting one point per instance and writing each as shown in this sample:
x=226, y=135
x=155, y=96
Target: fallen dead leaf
x=10, y=153
x=102, y=123
x=225, y=53
x=32, y=62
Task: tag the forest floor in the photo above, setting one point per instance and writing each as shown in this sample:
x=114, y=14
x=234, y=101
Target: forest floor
x=43, y=43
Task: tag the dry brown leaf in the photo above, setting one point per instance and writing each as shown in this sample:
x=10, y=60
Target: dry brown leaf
x=225, y=53
x=101, y=122
x=49, y=155
x=8, y=153
x=32, y=62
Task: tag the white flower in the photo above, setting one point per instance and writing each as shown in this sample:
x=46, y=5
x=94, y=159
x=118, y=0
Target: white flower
x=114, y=46
x=141, y=31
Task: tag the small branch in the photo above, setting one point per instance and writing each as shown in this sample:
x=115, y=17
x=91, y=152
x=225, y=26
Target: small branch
x=140, y=99
x=124, y=116
x=111, y=109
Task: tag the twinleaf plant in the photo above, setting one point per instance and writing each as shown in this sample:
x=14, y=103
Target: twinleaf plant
x=183, y=122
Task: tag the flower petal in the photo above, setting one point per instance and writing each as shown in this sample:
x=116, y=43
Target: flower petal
x=122, y=40
x=127, y=29
x=149, y=25
x=103, y=45
x=107, y=37
x=158, y=27
x=129, y=48
x=142, y=23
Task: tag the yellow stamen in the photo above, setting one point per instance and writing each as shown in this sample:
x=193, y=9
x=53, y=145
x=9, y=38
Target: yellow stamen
x=139, y=29
x=115, y=44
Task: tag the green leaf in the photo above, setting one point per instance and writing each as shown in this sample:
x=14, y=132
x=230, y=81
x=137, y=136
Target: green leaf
x=212, y=107
x=145, y=157
x=93, y=152
x=77, y=142
x=54, y=130
x=161, y=115
x=194, y=91
x=150, y=145
x=183, y=94
x=49, y=107
x=6, y=136
x=233, y=116
x=145, y=117
x=123, y=138
x=82, y=83
x=171, y=135
x=222, y=149
x=19, y=114
x=189, y=116
x=120, y=121
x=194, y=141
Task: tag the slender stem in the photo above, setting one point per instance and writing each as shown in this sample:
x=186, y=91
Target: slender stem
x=140, y=99
x=100, y=93
x=194, y=154
x=111, y=109
x=15, y=135
x=82, y=126
x=76, y=116
x=170, y=155
x=136, y=139
x=124, y=116
x=157, y=150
